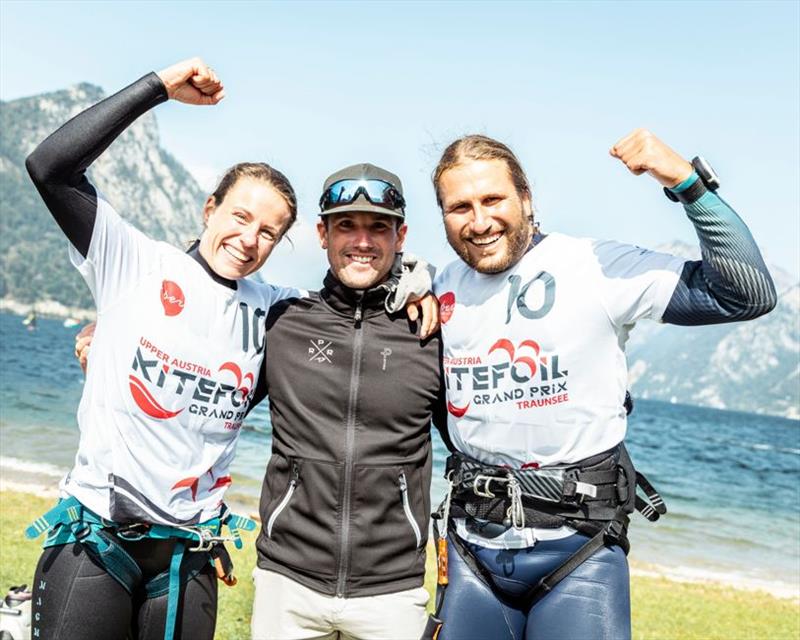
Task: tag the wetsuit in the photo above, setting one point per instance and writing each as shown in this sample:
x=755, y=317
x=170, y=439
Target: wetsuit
x=175, y=358
x=536, y=375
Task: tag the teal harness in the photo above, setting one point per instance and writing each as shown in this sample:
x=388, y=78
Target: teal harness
x=69, y=521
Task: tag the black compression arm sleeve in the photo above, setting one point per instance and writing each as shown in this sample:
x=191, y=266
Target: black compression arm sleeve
x=58, y=165
x=731, y=282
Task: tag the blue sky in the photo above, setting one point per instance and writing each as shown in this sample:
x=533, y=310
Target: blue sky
x=313, y=87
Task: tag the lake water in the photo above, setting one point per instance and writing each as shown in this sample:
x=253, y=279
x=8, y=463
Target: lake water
x=731, y=480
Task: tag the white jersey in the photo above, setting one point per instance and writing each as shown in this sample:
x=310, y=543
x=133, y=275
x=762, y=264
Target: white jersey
x=534, y=356
x=173, y=365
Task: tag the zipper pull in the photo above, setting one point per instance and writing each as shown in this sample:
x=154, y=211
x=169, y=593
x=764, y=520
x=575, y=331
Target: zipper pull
x=359, y=307
x=295, y=473
x=403, y=485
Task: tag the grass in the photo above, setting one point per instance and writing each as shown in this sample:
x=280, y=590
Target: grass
x=661, y=609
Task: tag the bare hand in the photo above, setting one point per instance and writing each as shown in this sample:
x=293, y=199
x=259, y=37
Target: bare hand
x=428, y=308
x=642, y=152
x=193, y=82
x=82, y=343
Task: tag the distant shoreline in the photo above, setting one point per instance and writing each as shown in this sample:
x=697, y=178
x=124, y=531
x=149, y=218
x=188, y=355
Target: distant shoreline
x=48, y=308
x=29, y=484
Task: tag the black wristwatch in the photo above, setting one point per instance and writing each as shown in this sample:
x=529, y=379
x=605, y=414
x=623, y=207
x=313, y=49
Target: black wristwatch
x=709, y=181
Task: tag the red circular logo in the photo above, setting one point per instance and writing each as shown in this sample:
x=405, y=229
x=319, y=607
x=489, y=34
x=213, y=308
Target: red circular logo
x=172, y=298
x=447, y=304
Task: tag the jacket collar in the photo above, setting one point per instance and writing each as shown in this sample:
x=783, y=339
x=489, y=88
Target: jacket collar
x=345, y=300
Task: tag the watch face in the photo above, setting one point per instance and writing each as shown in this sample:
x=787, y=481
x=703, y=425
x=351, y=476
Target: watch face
x=706, y=173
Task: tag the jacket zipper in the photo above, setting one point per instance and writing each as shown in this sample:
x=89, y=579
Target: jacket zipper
x=407, y=509
x=355, y=372
x=284, y=501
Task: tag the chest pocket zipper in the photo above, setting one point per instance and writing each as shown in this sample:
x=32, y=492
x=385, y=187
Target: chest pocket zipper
x=407, y=508
x=285, y=500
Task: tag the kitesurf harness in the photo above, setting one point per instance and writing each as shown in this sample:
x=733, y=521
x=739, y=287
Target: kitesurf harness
x=594, y=496
x=69, y=521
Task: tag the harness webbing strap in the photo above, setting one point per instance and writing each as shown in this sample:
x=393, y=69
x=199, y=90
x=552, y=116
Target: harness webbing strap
x=607, y=536
x=656, y=507
x=174, y=588
x=594, y=497
x=235, y=523
x=113, y=557
x=69, y=521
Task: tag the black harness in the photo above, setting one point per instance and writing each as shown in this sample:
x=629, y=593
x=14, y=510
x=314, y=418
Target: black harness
x=595, y=497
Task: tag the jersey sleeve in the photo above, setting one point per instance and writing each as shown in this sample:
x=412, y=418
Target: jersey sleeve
x=635, y=283
x=116, y=258
x=278, y=293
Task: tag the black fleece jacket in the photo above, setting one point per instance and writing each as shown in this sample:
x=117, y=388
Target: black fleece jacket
x=352, y=390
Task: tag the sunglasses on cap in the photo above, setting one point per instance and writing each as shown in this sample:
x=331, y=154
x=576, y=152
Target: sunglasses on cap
x=378, y=192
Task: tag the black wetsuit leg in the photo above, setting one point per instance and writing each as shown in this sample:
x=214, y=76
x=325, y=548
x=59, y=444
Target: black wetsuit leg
x=197, y=612
x=591, y=602
x=74, y=597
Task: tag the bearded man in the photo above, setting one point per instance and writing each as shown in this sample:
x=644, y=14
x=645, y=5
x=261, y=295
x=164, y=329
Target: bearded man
x=534, y=328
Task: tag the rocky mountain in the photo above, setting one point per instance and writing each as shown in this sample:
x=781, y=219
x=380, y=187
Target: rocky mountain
x=746, y=366
x=146, y=185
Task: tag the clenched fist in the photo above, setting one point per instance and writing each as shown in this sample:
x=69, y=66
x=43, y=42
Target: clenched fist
x=193, y=82
x=642, y=152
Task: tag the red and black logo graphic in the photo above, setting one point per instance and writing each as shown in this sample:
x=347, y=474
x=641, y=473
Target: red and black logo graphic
x=146, y=402
x=193, y=483
x=172, y=298
x=447, y=304
x=175, y=381
x=525, y=359
x=236, y=371
x=519, y=373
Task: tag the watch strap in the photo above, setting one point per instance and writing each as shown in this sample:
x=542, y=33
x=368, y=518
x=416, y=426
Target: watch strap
x=690, y=194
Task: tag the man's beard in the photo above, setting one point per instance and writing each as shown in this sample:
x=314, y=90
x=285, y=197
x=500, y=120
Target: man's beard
x=517, y=239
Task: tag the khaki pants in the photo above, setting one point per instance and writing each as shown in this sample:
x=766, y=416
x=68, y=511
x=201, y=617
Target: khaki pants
x=286, y=610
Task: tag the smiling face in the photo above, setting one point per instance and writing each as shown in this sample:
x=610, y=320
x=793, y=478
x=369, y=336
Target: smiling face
x=488, y=223
x=242, y=230
x=361, y=246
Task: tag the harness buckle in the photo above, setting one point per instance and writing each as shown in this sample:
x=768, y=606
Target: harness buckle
x=133, y=532
x=485, y=492
x=614, y=530
x=81, y=532
x=516, y=511
x=585, y=489
x=206, y=540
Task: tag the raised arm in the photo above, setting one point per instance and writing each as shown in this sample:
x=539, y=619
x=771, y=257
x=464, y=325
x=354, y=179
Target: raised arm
x=58, y=165
x=731, y=282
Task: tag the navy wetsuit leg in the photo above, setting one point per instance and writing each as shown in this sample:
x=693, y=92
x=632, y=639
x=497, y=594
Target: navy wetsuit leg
x=592, y=602
x=471, y=610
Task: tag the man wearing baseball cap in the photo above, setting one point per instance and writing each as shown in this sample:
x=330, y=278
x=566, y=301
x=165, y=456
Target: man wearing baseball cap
x=352, y=390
